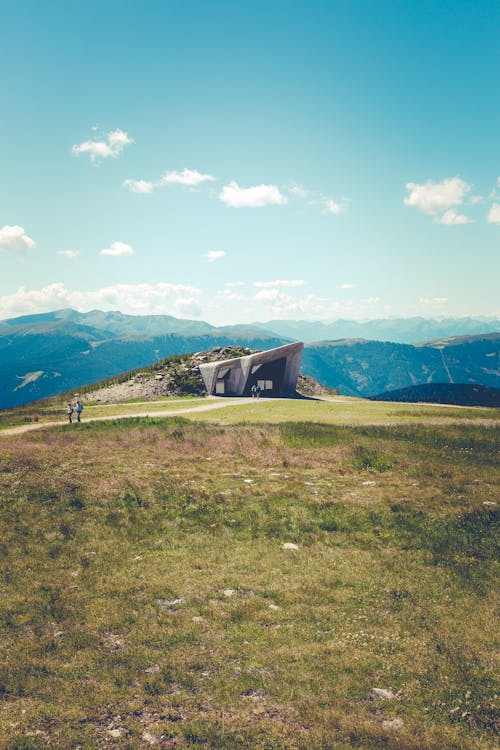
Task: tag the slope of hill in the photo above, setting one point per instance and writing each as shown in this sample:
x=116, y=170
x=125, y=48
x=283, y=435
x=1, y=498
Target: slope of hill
x=40, y=363
x=367, y=368
x=444, y=393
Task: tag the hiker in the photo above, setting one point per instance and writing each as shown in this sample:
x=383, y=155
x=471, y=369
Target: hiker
x=258, y=391
x=79, y=409
x=253, y=390
x=69, y=411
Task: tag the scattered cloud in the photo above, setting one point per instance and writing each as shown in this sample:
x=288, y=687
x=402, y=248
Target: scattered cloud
x=188, y=177
x=332, y=207
x=279, y=282
x=112, y=146
x=214, y=255
x=68, y=253
x=434, y=300
x=279, y=304
x=13, y=239
x=235, y=196
x=228, y=295
x=137, y=299
x=475, y=199
x=117, y=249
x=433, y=197
x=451, y=217
x=494, y=213
x=139, y=186
x=346, y=286
x=234, y=283
x=299, y=191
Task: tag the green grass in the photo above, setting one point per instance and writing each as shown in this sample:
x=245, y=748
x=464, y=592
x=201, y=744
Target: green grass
x=147, y=597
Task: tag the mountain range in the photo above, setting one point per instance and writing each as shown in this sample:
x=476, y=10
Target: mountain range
x=41, y=355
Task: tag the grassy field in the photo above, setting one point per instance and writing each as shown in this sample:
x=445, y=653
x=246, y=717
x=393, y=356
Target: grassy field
x=247, y=577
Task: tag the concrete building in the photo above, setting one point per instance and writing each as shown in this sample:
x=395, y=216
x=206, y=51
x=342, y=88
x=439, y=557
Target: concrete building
x=275, y=371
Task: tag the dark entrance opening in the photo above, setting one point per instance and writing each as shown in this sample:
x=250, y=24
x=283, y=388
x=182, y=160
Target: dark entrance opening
x=269, y=376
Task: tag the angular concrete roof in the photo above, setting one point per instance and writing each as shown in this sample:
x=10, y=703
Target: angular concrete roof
x=279, y=366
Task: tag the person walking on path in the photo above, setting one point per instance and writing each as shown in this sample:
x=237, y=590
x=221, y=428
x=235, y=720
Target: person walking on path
x=79, y=409
x=69, y=411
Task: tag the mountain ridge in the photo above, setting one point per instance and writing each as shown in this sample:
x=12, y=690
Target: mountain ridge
x=45, y=354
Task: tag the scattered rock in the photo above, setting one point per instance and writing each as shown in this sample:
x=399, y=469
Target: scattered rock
x=151, y=739
x=166, y=603
x=369, y=483
x=153, y=669
x=115, y=732
x=58, y=633
x=488, y=502
x=386, y=695
x=289, y=545
x=198, y=618
x=229, y=592
x=273, y=606
x=393, y=725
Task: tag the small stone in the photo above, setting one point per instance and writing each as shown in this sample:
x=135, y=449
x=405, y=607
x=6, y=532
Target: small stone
x=198, y=618
x=151, y=739
x=368, y=484
x=488, y=502
x=153, y=669
x=165, y=603
x=393, y=725
x=289, y=545
x=58, y=634
x=229, y=592
x=115, y=732
x=273, y=606
x=386, y=695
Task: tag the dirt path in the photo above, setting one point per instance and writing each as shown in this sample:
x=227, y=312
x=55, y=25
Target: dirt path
x=219, y=404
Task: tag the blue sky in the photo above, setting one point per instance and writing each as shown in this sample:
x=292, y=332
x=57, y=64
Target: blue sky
x=240, y=161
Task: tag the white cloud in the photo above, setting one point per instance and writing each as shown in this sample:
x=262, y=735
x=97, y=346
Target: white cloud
x=299, y=191
x=188, y=177
x=494, y=213
x=434, y=300
x=214, y=255
x=279, y=282
x=113, y=146
x=139, y=186
x=273, y=297
x=253, y=197
x=346, y=286
x=433, y=197
x=332, y=207
x=475, y=199
x=117, y=249
x=234, y=283
x=451, y=217
x=68, y=253
x=228, y=295
x=279, y=304
x=137, y=299
x=13, y=239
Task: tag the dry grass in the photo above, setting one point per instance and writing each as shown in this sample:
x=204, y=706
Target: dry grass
x=147, y=599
